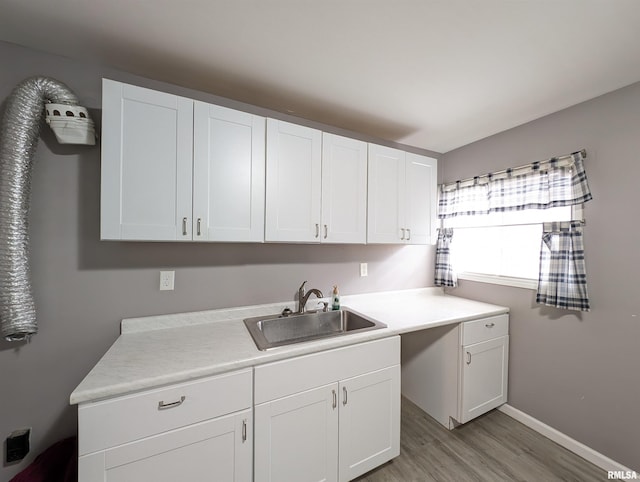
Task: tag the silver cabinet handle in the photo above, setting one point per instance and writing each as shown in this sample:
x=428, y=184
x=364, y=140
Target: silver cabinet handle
x=184, y=226
x=244, y=430
x=317, y=230
x=403, y=230
x=165, y=406
x=490, y=325
x=468, y=358
x=199, y=223
x=408, y=234
x=335, y=399
x=326, y=231
x=344, y=395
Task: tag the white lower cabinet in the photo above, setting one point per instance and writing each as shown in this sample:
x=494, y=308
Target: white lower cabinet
x=483, y=377
x=182, y=432
x=214, y=450
x=369, y=421
x=457, y=372
x=297, y=437
x=328, y=416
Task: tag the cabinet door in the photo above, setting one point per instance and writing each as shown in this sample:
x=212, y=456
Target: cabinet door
x=219, y=449
x=386, y=195
x=228, y=174
x=483, y=377
x=369, y=421
x=296, y=437
x=146, y=164
x=344, y=190
x=421, y=180
x=293, y=182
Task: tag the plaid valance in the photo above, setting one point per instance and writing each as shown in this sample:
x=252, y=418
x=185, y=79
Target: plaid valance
x=540, y=185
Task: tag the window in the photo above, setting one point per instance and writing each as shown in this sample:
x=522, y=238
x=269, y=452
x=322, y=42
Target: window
x=503, y=247
x=500, y=217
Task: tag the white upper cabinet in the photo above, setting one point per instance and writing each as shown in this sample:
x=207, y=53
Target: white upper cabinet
x=316, y=186
x=344, y=190
x=146, y=164
x=401, y=197
x=178, y=169
x=228, y=174
x=386, y=200
x=293, y=182
x=420, y=205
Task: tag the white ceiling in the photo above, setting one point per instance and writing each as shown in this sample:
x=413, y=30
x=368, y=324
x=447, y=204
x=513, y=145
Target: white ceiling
x=432, y=74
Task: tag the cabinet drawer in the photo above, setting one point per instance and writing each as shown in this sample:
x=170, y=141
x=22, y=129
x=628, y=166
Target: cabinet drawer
x=484, y=329
x=286, y=377
x=124, y=419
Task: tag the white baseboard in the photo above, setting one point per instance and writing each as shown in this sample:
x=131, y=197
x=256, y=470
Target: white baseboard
x=565, y=441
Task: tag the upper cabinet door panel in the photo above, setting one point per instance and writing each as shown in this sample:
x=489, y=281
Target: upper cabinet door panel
x=386, y=196
x=421, y=180
x=229, y=174
x=293, y=182
x=146, y=164
x=344, y=190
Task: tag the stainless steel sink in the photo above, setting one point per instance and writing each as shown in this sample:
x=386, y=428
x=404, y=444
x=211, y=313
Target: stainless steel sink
x=278, y=330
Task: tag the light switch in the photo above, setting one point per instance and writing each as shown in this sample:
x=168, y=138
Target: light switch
x=364, y=269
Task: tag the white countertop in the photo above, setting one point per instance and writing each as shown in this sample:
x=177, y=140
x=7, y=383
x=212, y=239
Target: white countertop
x=161, y=350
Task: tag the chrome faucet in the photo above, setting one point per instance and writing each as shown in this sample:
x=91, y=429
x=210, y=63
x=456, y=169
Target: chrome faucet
x=304, y=297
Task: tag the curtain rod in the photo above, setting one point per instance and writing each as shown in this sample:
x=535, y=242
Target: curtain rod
x=583, y=152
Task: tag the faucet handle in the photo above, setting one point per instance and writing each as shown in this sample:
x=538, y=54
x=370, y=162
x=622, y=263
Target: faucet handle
x=301, y=289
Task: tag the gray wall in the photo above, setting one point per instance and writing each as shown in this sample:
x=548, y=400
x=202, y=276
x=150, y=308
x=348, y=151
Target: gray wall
x=84, y=287
x=578, y=372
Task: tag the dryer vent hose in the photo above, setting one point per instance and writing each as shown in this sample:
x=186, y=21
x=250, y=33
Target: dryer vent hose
x=19, y=133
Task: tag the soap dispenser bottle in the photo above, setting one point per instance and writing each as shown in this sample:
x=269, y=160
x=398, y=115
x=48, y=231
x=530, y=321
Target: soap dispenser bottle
x=335, y=298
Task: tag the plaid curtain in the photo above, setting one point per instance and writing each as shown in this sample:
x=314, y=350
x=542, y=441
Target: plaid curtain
x=538, y=186
x=445, y=276
x=563, y=279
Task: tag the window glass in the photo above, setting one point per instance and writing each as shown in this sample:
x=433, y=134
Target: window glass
x=501, y=244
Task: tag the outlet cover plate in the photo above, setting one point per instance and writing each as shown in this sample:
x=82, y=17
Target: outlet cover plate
x=167, y=280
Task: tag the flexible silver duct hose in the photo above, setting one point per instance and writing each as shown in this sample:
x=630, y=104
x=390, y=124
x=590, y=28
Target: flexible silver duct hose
x=19, y=134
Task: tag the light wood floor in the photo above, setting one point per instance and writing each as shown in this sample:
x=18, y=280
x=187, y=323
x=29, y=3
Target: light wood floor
x=493, y=447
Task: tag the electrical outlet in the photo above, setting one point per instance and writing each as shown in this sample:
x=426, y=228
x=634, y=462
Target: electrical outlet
x=364, y=269
x=17, y=445
x=167, y=280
